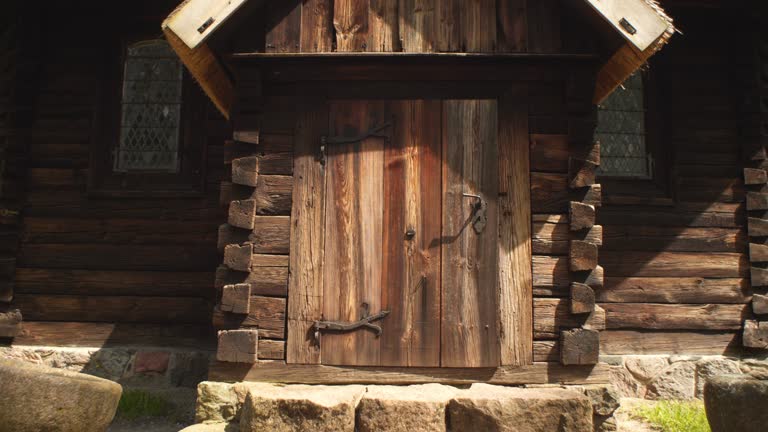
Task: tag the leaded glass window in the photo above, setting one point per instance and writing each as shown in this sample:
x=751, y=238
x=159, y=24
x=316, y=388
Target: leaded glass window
x=150, y=109
x=621, y=132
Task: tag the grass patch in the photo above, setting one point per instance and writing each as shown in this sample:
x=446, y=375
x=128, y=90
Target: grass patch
x=675, y=416
x=139, y=403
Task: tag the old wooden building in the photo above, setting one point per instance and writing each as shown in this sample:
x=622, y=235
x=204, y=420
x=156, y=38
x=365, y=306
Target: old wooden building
x=387, y=191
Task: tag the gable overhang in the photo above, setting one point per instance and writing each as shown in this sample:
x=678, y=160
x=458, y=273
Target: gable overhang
x=643, y=25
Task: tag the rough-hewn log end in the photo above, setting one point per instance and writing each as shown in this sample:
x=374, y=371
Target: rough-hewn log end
x=579, y=347
x=238, y=346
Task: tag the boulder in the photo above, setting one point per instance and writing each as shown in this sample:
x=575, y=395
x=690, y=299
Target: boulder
x=38, y=398
x=486, y=407
x=707, y=368
x=678, y=381
x=625, y=383
x=296, y=408
x=216, y=402
x=417, y=408
x=603, y=397
x=645, y=368
x=736, y=403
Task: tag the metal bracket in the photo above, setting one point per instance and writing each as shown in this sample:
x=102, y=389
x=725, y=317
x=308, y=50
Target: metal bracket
x=479, y=213
x=343, y=326
x=626, y=25
x=375, y=132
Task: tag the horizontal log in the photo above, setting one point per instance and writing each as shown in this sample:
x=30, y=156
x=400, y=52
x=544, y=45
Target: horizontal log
x=273, y=195
x=268, y=281
x=552, y=277
x=582, y=173
x=684, y=215
x=103, y=335
x=550, y=193
x=758, y=227
x=271, y=349
x=266, y=313
x=554, y=239
x=118, y=231
x=551, y=316
x=272, y=144
x=123, y=309
x=279, y=372
x=675, y=264
x=638, y=342
x=675, y=290
x=270, y=235
x=673, y=239
x=246, y=170
x=114, y=283
x=710, y=189
x=118, y=257
x=549, y=153
x=675, y=316
x=546, y=351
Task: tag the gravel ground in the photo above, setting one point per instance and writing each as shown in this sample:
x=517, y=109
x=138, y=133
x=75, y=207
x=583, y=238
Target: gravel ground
x=626, y=423
x=182, y=413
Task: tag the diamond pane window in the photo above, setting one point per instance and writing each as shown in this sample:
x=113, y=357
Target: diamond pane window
x=150, y=117
x=621, y=132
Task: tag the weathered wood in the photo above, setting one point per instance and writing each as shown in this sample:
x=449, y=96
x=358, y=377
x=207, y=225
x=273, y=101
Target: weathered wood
x=757, y=201
x=470, y=154
x=418, y=24
x=675, y=264
x=316, y=26
x=283, y=27
x=411, y=266
x=266, y=313
x=267, y=260
x=238, y=346
x=757, y=227
x=724, y=215
x=236, y=298
x=514, y=244
x=305, y=290
x=271, y=349
x=279, y=372
x=754, y=176
x=582, y=256
x=579, y=347
x=273, y=195
x=384, y=28
x=758, y=276
x=269, y=281
x=760, y=304
x=552, y=315
x=546, y=351
x=512, y=26
x=478, y=26
x=350, y=19
x=242, y=214
x=270, y=235
x=758, y=252
x=676, y=239
x=582, y=298
x=675, y=316
x=581, y=215
x=555, y=239
x=755, y=334
x=550, y=193
x=552, y=276
x=10, y=323
x=549, y=153
x=640, y=342
x=581, y=173
x=675, y=290
x=246, y=170
x=238, y=257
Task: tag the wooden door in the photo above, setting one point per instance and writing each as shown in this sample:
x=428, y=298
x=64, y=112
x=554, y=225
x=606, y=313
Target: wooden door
x=400, y=181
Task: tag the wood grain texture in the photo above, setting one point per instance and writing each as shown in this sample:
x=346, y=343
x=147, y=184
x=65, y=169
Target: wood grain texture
x=673, y=239
x=305, y=283
x=354, y=195
x=266, y=313
x=279, y=372
x=553, y=315
x=411, y=286
x=515, y=302
x=639, y=342
x=478, y=26
x=317, y=26
x=675, y=316
x=448, y=27
x=383, y=21
x=675, y=290
x=676, y=264
x=470, y=152
x=350, y=19
x=268, y=281
x=283, y=27
x=512, y=25
x=418, y=24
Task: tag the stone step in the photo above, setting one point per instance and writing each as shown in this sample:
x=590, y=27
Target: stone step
x=416, y=408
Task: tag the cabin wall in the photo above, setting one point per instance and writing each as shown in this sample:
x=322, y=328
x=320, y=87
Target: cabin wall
x=91, y=271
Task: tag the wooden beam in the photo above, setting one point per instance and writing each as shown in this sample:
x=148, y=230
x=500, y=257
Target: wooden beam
x=280, y=372
x=640, y=342
x=10, y=323
x=582, y=298
x=238, y=346
x=236, y=298
x=755, y=334
x=579, y=347
x=757, y=227
x=755, y=176
x=583, y=255
x=581, y=215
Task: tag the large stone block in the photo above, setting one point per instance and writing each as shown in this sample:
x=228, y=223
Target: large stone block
x=38, y=398
x=707, y=368
x=493, y=408
x=418, y=408
x=297, y=408
x=736, y=403
x=678, y=381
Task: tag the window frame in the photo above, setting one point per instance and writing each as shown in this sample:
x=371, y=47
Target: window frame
x=658, y=188
x=189, y=181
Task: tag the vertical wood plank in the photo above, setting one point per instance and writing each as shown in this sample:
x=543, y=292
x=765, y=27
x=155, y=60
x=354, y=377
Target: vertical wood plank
x=417, y=25
x=544, y=26
x=478, y=26
x=448, y=25
x=512, y=26
x=305, y=281
x=383, y=19
x=515, y=283
x=283, y=27
x=354, y=213
x=350, y=19
x=316, y=26
x=469, y=260
x=411, y=271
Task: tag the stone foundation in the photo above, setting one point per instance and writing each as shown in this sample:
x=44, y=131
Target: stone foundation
x=659, y=377
x=128, y=366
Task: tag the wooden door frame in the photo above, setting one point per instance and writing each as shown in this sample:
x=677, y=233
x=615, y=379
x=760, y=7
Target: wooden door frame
x=514, y=282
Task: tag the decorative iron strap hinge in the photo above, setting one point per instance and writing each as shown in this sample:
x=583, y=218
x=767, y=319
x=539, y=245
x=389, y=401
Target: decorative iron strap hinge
x=375, y=132
x=343, y=326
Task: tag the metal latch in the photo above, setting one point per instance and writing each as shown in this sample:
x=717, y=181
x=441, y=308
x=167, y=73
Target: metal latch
x=627, y=26
x=209, y=22
x=376, y=132
x=479, y=213
x=343, y=326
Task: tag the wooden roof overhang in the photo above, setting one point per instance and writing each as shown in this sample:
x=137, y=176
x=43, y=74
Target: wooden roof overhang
x=645, y=27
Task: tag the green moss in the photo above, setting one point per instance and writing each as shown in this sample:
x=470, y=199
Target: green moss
x=675, y=416
x=139, y=403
